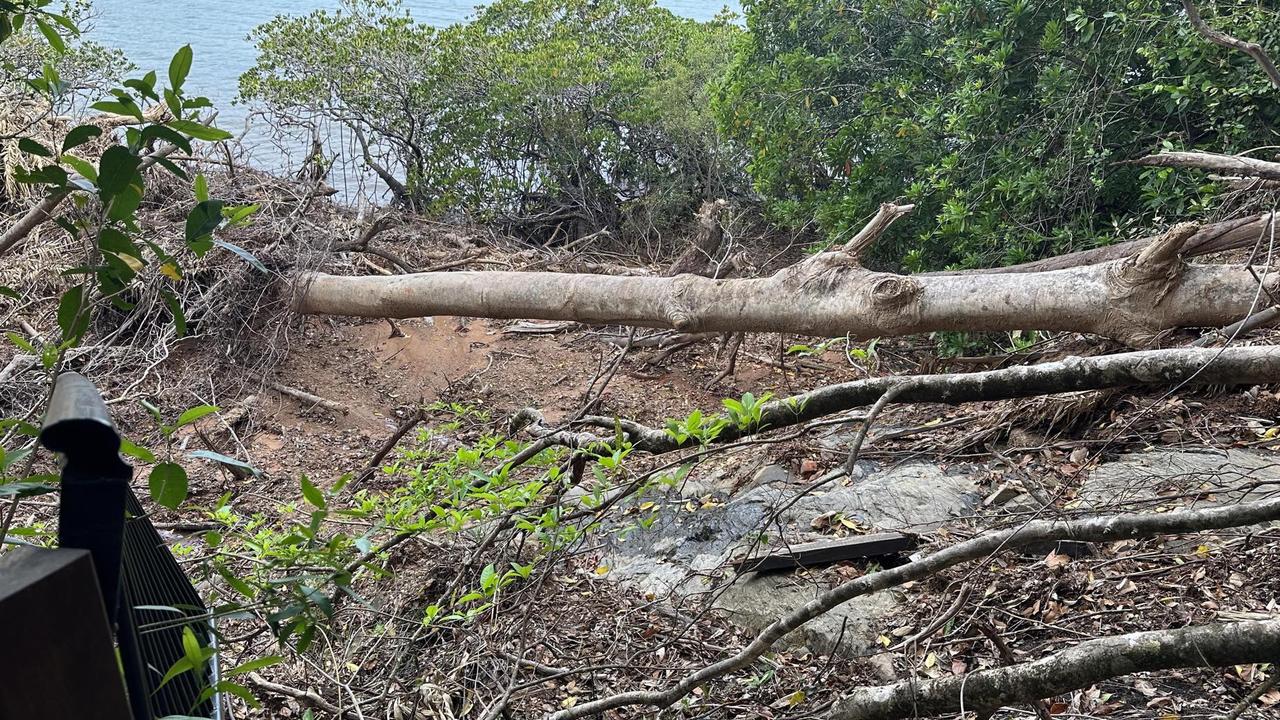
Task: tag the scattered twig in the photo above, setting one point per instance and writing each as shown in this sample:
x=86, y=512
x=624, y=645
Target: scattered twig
x=306, y=397
x=1096, y=529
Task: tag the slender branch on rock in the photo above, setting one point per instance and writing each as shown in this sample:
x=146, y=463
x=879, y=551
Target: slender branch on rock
x=1229, y=366
x=1097, y=529
x=1077, y=667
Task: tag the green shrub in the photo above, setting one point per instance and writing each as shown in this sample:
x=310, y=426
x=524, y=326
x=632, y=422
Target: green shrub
x=549, y=117
x=1002, y=120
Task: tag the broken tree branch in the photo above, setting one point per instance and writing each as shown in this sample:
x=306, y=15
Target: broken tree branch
x=1213, y=162
x=1077, y=667
x=1217, y=37
x=1228, y=366
x=306, y=397
x=828, y=295
x=1210, y=238
x=1097, y=529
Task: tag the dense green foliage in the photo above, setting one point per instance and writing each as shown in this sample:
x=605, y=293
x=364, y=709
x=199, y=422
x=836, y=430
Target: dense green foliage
x=1002, y=120
x=549, y=116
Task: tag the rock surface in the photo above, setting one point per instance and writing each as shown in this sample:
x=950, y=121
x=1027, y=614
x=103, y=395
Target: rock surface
x=687, y=551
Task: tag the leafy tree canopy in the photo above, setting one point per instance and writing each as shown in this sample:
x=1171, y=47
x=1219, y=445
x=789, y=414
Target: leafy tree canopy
x=550, y=116
x=1003, y=120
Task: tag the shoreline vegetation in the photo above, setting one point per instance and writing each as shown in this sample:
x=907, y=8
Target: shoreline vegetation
x=667, y=293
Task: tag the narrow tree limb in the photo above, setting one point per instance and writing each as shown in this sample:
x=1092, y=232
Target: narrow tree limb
x=307, y=698
x=829, y=295
x=1213, y=162
x=1217, y=37
x=1210, y=238
x=1098, y=529
x=306, y=397
x=1227, y=366
x=1006, y=655
x=1077, y=667
x=375, y=461
x=884, y=217
x=43, y=211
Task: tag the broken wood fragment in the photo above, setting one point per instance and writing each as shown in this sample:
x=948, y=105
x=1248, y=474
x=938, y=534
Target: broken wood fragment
x=829, y=552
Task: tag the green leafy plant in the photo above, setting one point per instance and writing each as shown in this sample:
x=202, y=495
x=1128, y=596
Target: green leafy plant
x=1003, y=122
x=746, y=413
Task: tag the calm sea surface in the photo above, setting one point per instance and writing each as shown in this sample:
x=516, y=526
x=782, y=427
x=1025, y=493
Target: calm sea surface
x=149, y=31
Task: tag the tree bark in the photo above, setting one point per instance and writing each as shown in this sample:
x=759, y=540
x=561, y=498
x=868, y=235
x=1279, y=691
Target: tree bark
x=1227, y=366
x=1211, y=238
x=1078, y=667
x=827, y=295
x=1098, y=529
x=1214, y=162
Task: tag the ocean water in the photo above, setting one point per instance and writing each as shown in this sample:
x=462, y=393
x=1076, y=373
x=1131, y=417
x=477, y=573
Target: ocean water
x=149, y=31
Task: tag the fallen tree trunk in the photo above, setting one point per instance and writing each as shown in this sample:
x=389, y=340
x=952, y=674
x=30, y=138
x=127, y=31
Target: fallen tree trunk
x=830, y=295
x=1227, y=366
x=1079, y=667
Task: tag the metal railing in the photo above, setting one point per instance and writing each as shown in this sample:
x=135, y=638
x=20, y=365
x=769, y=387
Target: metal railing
x=144, y=590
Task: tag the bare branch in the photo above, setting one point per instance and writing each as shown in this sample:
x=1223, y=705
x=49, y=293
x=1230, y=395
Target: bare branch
x=885, y=216
x=1217, y=37
x=1098, y=529
x=1229, y=366
x=1238, y=165
x=1081, y=666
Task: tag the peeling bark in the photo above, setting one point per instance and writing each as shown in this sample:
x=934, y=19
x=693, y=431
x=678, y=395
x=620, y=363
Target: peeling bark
x=827, y=295
x=1078, y=667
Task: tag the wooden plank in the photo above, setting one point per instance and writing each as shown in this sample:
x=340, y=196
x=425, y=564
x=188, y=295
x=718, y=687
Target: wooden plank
x=57, y=659
x=828, y=552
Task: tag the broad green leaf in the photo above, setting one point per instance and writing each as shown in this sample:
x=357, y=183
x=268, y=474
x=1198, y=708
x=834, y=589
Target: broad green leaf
x=182, y=665
x=244, y=254
x=199, y=131
x=9, y=292
x=116, y=169
x=203, y=219
x=201, y=188
x=26, y=489
x=168, y=135
x=129, y=108
x=179, y=67
x=54, y=39
x=80, y=135
x=28, y=145
x=21, y=343
x=312, y=493
x=175, y=309
x=224, y=459
x=82, y=166
x=193, y=414
x=260, y=663
x=137, y=452
x=69, y=311
x=168, y=485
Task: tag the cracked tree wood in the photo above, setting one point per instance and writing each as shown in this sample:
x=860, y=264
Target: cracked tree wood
x=829, y=295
